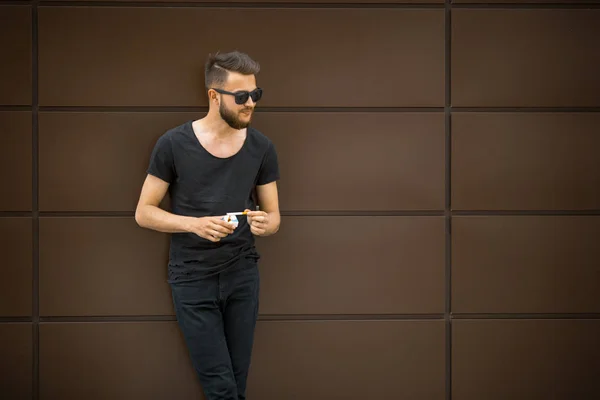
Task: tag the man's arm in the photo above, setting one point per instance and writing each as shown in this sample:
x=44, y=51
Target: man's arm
x=149, y=215
x=266, y=221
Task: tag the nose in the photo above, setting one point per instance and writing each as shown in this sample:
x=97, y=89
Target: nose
x=249, y=102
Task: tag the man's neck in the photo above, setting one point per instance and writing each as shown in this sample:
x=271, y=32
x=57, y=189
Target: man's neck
x=214, y=126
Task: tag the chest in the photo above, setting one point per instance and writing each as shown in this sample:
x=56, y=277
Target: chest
x=203, y=174
x=222, y=148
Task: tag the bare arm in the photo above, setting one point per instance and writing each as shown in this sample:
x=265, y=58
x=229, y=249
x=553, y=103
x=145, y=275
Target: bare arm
x=149, y=215
x=266, y=221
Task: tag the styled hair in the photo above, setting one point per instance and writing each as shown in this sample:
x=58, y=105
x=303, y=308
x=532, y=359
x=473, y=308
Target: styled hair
x=219, y=65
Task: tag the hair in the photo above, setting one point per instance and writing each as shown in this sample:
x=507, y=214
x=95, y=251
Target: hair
x=219, y=65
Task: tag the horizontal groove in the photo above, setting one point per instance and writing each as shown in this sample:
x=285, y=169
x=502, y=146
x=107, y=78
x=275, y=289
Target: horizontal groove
x=13, y=214
x=358, y=213
x=526, y=212
x=124, y=109
x=109, y=318
x=348, y=317
x=527, y=109
x=259, y=109
x=527, y=6
x=350, y=109
x=15, y=3
x=85, y=214
x=15, y=108
x=282, y=5
x=15, y=320
x=265, y=317
x=526, y=316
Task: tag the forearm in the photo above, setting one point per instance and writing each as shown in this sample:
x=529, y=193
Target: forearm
x=274, y=220
x=155, y=218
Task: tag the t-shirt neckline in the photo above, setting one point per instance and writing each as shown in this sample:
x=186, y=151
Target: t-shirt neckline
x=190, y=130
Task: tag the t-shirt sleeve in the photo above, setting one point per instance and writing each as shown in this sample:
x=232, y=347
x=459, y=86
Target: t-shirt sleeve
x=161, y=160
x=269, y=170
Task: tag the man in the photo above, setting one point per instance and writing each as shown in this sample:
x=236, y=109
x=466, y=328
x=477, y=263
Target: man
x=212, y=166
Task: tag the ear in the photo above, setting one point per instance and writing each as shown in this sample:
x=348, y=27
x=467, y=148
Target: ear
x=213, y=96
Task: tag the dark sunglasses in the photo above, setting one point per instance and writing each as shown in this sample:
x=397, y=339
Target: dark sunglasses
x=242, y=96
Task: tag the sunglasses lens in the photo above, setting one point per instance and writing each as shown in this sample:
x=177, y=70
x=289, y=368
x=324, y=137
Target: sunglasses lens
x=241, y=98
x=256, y=94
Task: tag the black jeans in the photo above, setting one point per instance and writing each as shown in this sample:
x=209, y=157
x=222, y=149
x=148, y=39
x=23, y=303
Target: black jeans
x=217, y=316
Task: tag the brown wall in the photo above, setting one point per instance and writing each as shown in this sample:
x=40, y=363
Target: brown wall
x=440, y=193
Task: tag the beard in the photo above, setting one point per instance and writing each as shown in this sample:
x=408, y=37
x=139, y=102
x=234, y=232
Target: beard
x=232, y=117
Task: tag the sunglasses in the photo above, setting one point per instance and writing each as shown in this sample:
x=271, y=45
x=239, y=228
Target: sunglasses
x=242, y=96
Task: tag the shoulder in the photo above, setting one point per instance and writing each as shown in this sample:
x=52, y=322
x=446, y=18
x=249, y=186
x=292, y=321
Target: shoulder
x=178, y=132
x=258, y=136
x=175, y=135
x=259, y=141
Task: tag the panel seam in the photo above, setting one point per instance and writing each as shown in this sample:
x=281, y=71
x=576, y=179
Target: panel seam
x=448, y=196
x=35, y=200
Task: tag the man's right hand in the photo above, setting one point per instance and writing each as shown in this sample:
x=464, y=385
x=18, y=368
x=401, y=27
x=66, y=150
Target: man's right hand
x=211, y=228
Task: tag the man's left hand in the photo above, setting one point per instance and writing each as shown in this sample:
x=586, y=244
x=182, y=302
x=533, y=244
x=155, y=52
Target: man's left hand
x=258, y=221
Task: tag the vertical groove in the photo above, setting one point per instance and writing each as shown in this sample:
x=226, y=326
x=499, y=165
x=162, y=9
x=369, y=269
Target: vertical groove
x=448, y=193
x=35, y=199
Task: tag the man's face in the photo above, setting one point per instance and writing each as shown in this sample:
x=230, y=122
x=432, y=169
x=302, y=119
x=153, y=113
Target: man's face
x=237, y=116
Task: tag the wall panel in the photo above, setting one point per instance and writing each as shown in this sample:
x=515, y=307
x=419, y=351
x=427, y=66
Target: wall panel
x=525, y=359
x=120, y=360
x=164, y=67
x=102, y=266
x=371, y=265
x=348, y=359
x=525, y=58
x=329, y=159
x=15, y=45
x=16, y=164
x=358, y=161
x=97, y=161
x=16, y=356
x=16, y=267
x=525, y=161
x=525, y=264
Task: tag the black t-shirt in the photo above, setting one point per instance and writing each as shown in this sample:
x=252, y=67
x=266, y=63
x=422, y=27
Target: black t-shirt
x=204, y=185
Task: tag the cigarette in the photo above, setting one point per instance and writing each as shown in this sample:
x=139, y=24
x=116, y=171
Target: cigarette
x=238, y=213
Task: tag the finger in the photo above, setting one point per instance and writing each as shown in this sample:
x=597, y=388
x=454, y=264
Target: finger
x=222, y=226
x=212, y=238
x=257, y=230
x=261, y=220
x=218, y=234
x=229, y=227
x=219, y=230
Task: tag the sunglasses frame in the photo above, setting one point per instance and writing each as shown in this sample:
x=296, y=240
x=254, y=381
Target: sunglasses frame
x=242, y=96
